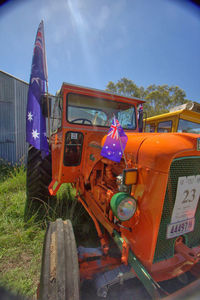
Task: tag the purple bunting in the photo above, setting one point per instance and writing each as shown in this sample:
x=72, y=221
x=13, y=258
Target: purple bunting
x=35, y=120
x=115, y=142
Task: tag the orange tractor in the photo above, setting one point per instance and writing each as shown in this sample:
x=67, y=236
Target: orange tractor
x=147, y=203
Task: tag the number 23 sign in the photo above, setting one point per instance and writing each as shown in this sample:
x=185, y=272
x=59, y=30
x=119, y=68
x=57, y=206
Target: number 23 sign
x=187, y=197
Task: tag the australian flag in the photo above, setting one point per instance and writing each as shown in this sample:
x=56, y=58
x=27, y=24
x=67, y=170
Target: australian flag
x=35, y=120
x=115, y=142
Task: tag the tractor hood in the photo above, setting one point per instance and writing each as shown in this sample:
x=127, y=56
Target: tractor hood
x=157, y=150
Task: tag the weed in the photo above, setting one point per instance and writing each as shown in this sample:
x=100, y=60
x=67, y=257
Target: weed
x=20, y=248
x=5, y=170
x=21, y=244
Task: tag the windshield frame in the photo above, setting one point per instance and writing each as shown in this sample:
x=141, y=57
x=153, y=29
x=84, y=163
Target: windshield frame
x=101, y=110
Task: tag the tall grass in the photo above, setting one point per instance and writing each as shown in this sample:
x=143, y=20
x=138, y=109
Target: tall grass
x=20, y=247
x=67, y=207
x=21, y=244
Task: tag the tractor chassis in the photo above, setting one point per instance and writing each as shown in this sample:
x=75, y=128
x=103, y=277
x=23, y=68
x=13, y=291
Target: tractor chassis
x=107, y=271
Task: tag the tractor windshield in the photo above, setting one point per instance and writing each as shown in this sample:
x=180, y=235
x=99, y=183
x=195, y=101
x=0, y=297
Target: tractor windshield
x=92, y=111
x=188, y=126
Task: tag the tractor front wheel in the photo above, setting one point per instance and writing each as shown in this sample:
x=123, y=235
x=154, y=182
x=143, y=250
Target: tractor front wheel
x=60, y=271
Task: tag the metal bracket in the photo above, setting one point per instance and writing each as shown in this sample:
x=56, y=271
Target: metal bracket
x=152, y=287
x=186, y=252
x=105, y=280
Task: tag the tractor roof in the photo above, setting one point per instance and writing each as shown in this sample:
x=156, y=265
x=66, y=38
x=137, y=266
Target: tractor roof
x=99, y=92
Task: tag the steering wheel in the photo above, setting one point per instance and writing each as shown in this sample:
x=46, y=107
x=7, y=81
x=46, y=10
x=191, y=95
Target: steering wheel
x=83, y=120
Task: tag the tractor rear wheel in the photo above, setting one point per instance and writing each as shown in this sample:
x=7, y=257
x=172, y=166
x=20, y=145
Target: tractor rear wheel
x=60, y=271
x=39, y=175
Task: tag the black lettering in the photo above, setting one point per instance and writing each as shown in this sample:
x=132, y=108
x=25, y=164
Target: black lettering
x=185, y=200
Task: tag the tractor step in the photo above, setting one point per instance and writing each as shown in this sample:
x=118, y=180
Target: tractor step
x=104, y=280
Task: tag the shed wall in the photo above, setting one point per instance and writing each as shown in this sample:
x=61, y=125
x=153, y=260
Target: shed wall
x=13, y=99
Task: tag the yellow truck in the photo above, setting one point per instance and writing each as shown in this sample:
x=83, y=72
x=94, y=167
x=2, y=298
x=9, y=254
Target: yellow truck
x=183, y=118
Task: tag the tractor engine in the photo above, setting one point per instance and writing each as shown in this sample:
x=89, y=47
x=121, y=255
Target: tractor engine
x=152, y=201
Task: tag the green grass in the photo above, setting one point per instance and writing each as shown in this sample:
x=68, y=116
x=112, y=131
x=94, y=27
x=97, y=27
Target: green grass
x=21, y=244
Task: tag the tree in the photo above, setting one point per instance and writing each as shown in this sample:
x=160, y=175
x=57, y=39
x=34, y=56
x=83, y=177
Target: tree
x=124, y=87
x=159, y=98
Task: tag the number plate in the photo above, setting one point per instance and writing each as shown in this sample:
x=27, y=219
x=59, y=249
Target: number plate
x=183, y=215
x=179, y=228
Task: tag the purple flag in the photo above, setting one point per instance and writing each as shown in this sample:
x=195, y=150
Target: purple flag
x=115, y=142
x=35, y=120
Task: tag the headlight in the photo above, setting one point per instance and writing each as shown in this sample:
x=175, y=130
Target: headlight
x=123, y=206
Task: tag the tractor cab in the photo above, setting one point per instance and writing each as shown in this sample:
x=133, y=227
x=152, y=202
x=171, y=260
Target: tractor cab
x=85, y=116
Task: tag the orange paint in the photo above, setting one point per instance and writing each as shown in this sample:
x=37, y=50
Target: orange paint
x=95, y=180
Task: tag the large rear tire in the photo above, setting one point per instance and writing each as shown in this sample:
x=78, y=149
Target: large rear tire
x=60, y=271
x=39, y=175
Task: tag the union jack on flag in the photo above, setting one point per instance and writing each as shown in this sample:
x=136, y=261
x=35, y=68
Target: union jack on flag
x=113, y=132
x=39, y=42
x=115, y=142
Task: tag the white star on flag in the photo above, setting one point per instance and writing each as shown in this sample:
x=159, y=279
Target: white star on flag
x=30, y=116
x=35, y=134
x=35, y=79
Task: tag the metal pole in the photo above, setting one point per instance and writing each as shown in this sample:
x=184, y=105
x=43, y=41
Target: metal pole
x=48, y=112
x=46, y=79
x=121, y=144
x=122, y=150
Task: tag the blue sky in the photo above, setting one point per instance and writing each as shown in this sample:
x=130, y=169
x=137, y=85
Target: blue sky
x=90, y=42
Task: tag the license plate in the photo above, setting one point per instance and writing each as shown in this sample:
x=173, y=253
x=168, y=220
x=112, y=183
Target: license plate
x=179, y=228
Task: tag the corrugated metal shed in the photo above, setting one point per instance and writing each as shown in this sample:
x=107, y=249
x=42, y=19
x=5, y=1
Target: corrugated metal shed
x=13, y=100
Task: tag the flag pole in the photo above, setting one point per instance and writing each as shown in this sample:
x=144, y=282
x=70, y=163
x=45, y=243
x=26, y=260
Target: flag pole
x=46, y=74
x=122, y=150
x=48, y=112
x=121, y=146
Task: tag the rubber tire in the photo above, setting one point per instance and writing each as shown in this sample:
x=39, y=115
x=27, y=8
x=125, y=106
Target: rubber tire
x=38, y=178
x=60, y=270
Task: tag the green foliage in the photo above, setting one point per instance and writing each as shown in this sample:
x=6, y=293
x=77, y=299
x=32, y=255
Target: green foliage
x=20, y=248
x=5, y=170
x=66, y=206
x=125, y=87
x=21, y=244
x=159, y=98
x=13, y=181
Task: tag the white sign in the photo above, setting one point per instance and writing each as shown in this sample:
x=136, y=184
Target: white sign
x=179, y=228
x=74, y=135
x=187, y=197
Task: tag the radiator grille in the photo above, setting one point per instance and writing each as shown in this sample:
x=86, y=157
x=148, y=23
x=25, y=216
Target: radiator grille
x=186, y=166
